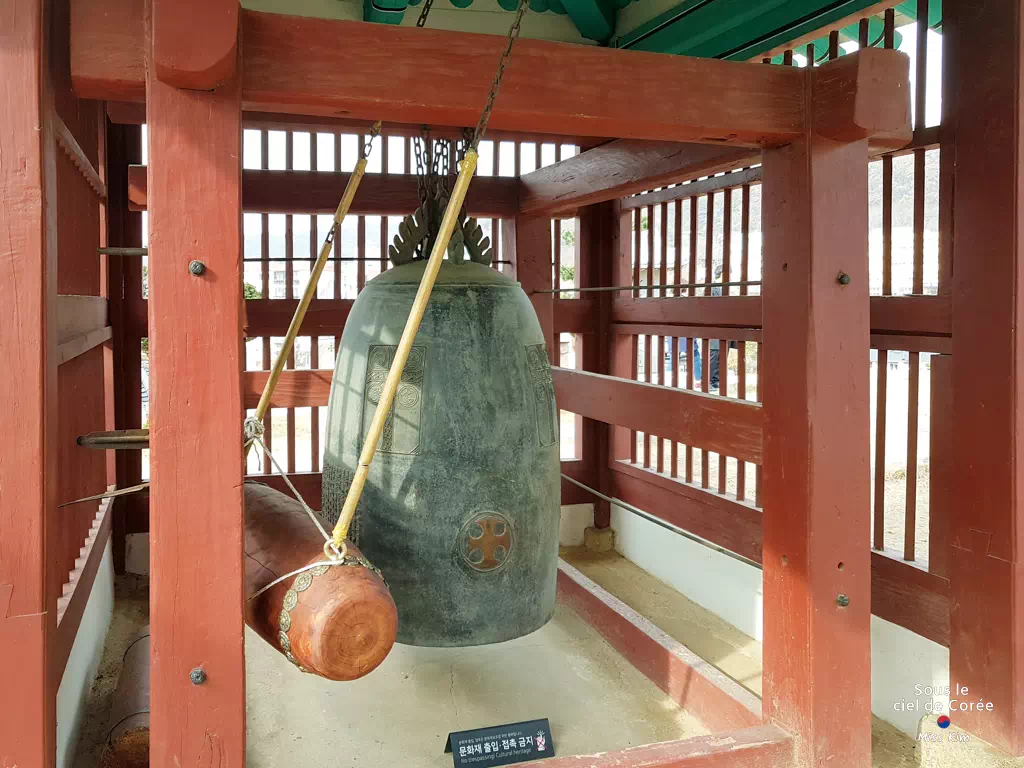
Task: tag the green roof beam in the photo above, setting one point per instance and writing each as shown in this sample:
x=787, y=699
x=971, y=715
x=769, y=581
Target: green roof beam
x=735, y=29
x=595, y=19
x=847, y=34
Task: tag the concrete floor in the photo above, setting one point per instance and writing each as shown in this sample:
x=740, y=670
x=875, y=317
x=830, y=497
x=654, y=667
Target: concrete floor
x=739, y=656
x=401, y=713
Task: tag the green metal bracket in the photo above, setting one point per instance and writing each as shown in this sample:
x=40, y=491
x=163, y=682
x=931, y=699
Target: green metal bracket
x=384, y=11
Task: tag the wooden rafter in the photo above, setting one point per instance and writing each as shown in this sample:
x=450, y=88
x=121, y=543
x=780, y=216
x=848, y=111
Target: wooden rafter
x=621, y=168
x=67, y=142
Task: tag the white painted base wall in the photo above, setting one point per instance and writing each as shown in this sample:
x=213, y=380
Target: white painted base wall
x=903, y=664
x=726, y=587
x=136, y=557
x=84, y=660
x=576, y=518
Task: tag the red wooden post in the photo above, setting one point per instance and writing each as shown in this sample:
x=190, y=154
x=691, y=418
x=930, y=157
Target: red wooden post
x=195, y=326
x=985, y=567
x=596, y=247
x=124, y=287
x=816, y=548
x=533, y=257
x=942, y=466
x=195, y=47
x=28, y=456
x=622, y=347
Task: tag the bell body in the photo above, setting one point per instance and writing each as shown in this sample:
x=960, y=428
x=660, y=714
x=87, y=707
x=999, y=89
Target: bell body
x=460, y=510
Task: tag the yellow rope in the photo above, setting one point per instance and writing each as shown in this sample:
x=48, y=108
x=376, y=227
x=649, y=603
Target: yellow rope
x=300, y=311
x=419, y=305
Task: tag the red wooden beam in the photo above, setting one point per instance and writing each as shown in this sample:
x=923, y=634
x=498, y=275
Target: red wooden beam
x=575, y=315
x=736, y=311
x=196, y=411
x=313, y=66
x=28, y=452
x=761, y=747
x=720, y=519
x=317, y=192
x=718, y=702
x=912, y=315
x=737, y=178
x=904, y=594
x=864, y=96
x=891, y=316
x=132, y=113
x=721, y=424
x=270, y=317
x=295, y=389
x=986, y=566
x=195, y=44
x=622, y=168
x=689, y=331
x=816, y=551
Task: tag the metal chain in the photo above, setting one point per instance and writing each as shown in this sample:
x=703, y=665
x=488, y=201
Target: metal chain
x=485, y=116
x=368, y=146
x=364, y=152
x=419, y=146
x=422, y=20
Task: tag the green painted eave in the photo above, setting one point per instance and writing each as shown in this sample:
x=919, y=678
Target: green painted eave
x=741, y=30
x=595, y=19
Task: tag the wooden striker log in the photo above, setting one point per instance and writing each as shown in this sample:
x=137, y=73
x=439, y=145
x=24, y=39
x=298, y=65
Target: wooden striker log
x=128, y=732
x=338, y=622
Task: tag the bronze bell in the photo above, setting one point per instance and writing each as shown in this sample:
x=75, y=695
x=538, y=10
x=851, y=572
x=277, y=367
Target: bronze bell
x=461, y=508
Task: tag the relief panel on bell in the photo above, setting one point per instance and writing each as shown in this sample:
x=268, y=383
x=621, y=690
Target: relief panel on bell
x=543, y=393
x=402, y=429
x=336, y=482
